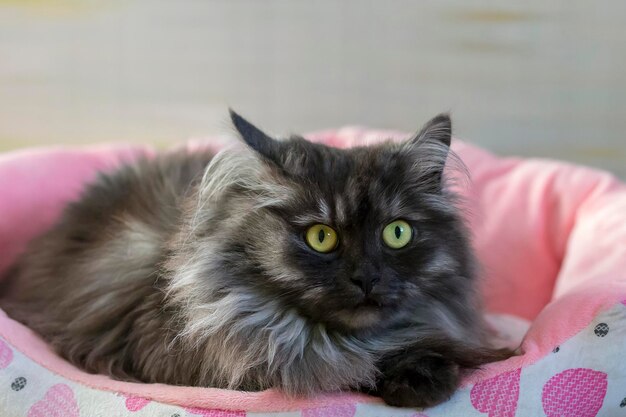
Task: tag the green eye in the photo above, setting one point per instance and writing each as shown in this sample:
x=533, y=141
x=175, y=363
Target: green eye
x=321, y=238
x=397, y=234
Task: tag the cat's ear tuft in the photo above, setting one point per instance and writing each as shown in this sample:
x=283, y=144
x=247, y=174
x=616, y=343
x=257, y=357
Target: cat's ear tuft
x=254, y=137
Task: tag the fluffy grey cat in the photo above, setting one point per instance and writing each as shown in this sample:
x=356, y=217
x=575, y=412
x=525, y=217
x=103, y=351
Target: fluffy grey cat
x=284, y=264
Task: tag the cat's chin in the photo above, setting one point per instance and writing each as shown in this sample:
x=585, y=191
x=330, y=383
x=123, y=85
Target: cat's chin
x=361, y=316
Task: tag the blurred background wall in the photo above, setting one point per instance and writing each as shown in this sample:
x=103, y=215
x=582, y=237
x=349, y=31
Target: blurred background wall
x=543, y=78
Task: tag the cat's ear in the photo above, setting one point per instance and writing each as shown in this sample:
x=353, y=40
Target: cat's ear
x=255, y=138
x=438, y=130
x=429, y=148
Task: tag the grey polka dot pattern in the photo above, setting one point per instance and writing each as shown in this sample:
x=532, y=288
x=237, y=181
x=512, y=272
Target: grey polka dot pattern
x=176, y=415
x=623, y=403
x=601, y=330
x=556, y=349
x=18, y=384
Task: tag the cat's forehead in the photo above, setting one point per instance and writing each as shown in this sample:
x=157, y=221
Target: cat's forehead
x=334, y=167
x=347, y=187
x=352, y=208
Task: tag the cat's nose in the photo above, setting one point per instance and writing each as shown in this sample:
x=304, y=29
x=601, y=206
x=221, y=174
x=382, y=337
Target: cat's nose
x=365, y=282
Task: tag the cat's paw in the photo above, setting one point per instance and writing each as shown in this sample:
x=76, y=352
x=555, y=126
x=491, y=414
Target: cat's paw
x=427, y=383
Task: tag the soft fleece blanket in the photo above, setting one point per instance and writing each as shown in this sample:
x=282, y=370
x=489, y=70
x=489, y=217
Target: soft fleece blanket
x=551, y=238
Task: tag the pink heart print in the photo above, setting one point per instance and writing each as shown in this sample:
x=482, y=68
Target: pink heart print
x=340, y=410
x=59, y=401
x=205, y=412
x=6, y=355
x=136, y=403
x=575, y=392
x=497, y=396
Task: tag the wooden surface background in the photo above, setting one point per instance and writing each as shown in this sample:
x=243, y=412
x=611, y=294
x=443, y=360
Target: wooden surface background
x=542, y=78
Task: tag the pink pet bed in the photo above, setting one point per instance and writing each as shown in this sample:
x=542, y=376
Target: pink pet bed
x=551, y=238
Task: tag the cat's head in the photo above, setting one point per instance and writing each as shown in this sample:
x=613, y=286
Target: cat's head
x=349, y=237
